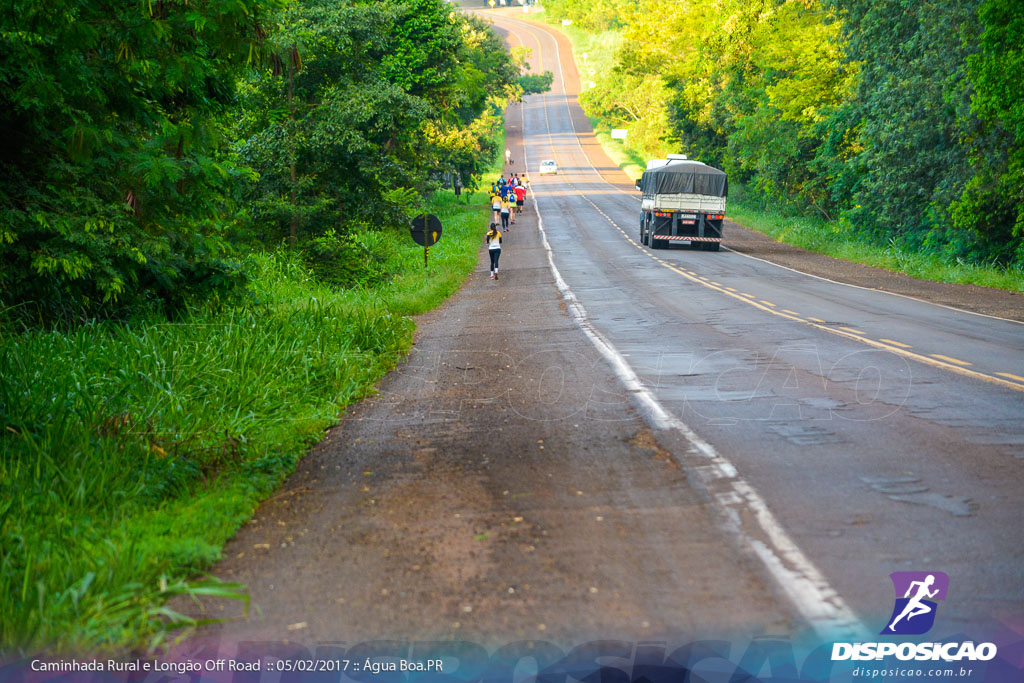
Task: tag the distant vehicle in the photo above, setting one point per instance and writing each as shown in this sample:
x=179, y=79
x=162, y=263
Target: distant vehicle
x=548, y=167
x=682, y=202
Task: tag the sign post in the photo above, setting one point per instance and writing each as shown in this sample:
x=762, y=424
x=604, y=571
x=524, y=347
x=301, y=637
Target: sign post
x=426, y=232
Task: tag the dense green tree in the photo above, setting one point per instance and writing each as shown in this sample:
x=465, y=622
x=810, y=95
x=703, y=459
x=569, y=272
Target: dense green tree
x=362, y=99
x=911, y=103
x=744, y=85
x=905, y=118
x=113, y=187
x=992, y=205
x=143, y=138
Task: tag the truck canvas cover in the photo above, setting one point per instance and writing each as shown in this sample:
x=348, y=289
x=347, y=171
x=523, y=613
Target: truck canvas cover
x=685, y=177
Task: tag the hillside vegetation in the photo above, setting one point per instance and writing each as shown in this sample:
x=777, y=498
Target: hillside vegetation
x=204, y=257
x=149, y=145
x=898, y=124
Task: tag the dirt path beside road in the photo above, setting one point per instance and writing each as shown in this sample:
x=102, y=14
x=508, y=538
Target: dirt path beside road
x=500, y=487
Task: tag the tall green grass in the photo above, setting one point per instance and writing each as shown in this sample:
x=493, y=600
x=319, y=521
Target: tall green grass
x=130, y=453
x=826, y=237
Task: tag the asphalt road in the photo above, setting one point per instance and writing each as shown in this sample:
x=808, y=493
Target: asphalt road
x=500, y=487
x=611, y=442
x=881, y=432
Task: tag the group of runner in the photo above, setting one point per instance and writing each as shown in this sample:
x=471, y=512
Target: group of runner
x=508, y=197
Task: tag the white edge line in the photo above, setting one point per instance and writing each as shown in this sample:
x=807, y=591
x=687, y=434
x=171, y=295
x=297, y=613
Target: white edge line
x=740, y=253
x=808, y=590
x=867, y=289
x=812, y=596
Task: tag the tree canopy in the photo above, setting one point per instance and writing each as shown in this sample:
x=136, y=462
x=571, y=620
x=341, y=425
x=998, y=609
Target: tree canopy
x=903, y=120
x=360, y=100
x=146, y=141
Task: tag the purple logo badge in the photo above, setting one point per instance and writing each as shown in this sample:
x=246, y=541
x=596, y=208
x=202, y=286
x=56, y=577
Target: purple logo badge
x=916, y=593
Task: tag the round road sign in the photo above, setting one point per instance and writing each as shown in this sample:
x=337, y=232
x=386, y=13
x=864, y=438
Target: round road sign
x=426, y=229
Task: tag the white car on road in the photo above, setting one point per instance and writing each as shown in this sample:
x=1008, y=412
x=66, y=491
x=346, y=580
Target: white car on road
x=548, y=166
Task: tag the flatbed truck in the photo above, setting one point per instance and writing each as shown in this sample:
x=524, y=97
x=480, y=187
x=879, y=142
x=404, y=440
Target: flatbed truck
x=682, y=202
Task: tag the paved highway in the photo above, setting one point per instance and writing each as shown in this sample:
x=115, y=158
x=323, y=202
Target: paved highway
x=843, y=433
x=673, y=445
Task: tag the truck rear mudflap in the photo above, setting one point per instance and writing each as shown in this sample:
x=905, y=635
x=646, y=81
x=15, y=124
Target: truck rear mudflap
x=685, y=228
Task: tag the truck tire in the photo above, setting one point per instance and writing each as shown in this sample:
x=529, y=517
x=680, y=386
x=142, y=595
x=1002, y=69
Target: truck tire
x=710, y=246
x=655, y=244
x=643, y=232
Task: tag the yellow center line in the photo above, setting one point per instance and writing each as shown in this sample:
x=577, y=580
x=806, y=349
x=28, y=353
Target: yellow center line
x=850, y=329
x=942, y=362
x=895, y=343
x=950, y=360
x=732, y=289
x=768, y=303
x=937, y=360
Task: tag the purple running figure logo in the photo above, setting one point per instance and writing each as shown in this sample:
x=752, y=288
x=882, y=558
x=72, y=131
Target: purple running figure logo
x=914, y=612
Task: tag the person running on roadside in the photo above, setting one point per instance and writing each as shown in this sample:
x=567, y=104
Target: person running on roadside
x=496, y=205
x=506, y=210
x=508, y=157
x=520, y=198
x=493, y=239
x=526, y=181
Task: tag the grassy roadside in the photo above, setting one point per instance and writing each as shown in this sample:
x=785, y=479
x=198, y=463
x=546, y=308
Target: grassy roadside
x=825, y=237
x=130, y=453
x=806, y=232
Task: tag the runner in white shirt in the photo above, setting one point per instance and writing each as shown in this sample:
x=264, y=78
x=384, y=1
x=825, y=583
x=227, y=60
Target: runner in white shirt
x=493, y=239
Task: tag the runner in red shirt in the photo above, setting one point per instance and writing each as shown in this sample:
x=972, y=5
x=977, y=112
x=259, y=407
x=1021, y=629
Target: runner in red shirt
x=520, y=197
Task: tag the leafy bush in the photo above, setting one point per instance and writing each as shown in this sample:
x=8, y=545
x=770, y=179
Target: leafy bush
x=533, y=84
x=345, y=260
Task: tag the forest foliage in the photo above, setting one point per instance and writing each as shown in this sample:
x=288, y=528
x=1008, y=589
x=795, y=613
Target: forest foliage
x=203, y=260
x=149, y=145
x=903, y=122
